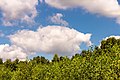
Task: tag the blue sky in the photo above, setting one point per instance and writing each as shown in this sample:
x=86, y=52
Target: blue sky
x=82, y=20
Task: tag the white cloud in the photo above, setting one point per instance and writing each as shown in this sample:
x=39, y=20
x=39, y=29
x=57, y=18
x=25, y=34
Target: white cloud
x=41, y=1
x=57, y=19
x=11, y=52
x=116, y=37
x=108, y=8
x=15, y=11
x=50, y=39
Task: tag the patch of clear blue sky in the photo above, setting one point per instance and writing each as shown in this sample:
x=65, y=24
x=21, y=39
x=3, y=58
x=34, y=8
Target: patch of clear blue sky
x=99, y=26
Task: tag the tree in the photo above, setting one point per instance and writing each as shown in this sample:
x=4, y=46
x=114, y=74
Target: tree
x=16, y=61
x=105, y=44
x=100, y=63
x=1, y=61
x=10, y=65
x=56, y=58
x=37, y=59
x=43, y=60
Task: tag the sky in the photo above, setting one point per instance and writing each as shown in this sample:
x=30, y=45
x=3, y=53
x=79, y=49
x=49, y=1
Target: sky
x=30, y=28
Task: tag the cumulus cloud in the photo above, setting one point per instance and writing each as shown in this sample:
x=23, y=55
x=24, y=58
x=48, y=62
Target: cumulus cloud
x=108, y=8
x=50, y=39
x=12, y=52
x=57, y=19
x=18, y=11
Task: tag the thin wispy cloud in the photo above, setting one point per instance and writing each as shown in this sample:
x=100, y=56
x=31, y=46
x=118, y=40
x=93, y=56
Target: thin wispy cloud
x=57, y=19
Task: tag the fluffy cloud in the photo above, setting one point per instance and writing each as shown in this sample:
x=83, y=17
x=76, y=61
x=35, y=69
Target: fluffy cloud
x=108, y=8
x=50, y=39
x=12, y=52
x=18, y=11
x=116, y=37
x=57, y=19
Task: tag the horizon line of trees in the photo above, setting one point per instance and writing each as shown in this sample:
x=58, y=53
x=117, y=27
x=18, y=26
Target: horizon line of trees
x=98, y=63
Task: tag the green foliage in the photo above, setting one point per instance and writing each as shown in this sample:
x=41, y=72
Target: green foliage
x=1, y=62
x=10, y=65
x=98, y=63
x=40, y=60
x=56, y=58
